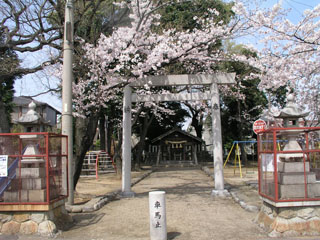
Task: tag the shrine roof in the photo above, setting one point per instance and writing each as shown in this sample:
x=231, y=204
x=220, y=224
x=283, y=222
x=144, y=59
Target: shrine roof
x=179, y=131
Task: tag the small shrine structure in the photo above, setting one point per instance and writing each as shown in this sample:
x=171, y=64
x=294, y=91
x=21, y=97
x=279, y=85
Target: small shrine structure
x=288, y=184
x=177, y=146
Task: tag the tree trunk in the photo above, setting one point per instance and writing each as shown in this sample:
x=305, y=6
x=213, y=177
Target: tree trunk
x=142, y=143
x=85, y=130
x=196, y=119
x=198, y=129
x=140, y=148
x=197, y=123
x=117, y=154
x=244, y=158
x=102, y=130
x=109, y=137
x=4, y=119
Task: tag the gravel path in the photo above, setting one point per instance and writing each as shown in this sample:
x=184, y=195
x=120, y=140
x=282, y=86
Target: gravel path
x=191, y=212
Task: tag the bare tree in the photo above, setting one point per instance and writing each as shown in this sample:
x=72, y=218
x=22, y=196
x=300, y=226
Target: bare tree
x=28, y=26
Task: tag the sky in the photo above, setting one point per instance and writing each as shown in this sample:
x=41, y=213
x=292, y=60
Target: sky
x=34, y=84
x=296, y=7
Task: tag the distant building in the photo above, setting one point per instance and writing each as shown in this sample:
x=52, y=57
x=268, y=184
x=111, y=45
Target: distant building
x=177, y=146
x=46, y=113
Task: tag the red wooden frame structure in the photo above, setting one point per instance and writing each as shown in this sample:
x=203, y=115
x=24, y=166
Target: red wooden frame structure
x=52, y=184
x=270, y=145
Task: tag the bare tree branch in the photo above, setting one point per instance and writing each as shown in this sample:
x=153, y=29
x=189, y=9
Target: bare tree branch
x=52, y=90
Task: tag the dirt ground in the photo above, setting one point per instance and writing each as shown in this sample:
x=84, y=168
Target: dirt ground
x=192, y=213
x=89, y=187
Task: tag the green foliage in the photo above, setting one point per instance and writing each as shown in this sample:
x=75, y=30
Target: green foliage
x=241, y=109
x=8, y=62
x=99, y=18
x=182, y=15
x=278, y=96
x=17, y=128
x=97, y=144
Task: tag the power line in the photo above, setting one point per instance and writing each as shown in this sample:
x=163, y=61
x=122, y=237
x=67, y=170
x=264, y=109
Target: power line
x=300, y=3
x=293, y=7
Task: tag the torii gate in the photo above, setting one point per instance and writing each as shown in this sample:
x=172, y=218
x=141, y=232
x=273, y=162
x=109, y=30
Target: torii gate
x=176, y=80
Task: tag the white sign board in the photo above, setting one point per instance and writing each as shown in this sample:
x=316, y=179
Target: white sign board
x=3, y=165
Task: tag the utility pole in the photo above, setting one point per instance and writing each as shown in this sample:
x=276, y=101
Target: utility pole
x=67, y=79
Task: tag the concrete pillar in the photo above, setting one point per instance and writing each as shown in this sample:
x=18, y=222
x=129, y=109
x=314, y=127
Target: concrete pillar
x=67, y=79
x=126, y=144
x=158, y=220
x=217, y=142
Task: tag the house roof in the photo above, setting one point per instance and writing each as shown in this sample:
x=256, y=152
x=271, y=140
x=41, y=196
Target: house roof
x=176, y=130
x=24, y=101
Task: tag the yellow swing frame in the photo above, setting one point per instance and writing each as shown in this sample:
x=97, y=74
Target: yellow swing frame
x=237, y=153
x=236, y=156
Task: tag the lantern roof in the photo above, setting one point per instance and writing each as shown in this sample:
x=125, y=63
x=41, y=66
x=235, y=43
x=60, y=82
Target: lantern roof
x=292, y=110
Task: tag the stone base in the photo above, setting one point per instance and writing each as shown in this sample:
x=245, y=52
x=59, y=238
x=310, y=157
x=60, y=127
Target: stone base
x=127, y=194
x=220, y=193
x=41, y=223
x=289, y=221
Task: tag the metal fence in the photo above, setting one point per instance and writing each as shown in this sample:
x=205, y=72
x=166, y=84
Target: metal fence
x=97, y=162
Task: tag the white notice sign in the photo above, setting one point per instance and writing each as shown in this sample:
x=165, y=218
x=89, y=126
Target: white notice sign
x=3, y=165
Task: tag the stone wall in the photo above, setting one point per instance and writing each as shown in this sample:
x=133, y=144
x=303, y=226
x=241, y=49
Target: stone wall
x=289, y=221
x=41, y=223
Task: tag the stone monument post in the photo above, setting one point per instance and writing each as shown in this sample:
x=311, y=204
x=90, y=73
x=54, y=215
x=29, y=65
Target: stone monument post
x=157, y=214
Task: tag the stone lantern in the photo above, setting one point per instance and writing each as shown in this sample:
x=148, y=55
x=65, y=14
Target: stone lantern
x=32, y=121
x=291, y=114
x=289, y=190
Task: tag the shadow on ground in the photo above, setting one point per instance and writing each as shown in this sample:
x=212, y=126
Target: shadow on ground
x=173, y=235
x=86, y=219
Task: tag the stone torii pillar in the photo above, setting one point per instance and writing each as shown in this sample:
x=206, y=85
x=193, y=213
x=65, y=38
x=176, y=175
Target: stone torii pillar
x=126, y=143
x=217, y=143
x=175, y=80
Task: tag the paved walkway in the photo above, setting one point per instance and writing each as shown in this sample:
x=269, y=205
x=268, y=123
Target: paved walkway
x=192, y=214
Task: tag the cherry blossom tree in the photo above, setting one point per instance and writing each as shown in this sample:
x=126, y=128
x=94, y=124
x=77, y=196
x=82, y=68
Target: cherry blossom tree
x=133, y=52
x=290, y=53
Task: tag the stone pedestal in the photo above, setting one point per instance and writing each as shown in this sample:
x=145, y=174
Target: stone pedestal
x=292, y=218
x=44, y=223
x=30, y=181
x=289, y=221
x=291, y=181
